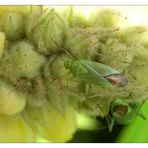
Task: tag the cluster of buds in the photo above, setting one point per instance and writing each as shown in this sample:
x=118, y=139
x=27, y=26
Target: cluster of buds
x=52, y=64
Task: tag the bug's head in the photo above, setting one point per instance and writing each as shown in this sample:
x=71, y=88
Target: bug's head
x=117, y=80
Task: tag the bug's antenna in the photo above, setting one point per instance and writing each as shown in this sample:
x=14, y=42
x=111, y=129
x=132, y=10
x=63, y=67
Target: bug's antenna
x=64, y=49
x=17, y=87
x=107, y=94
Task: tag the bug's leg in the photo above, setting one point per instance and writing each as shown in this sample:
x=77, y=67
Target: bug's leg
x=63, y=49
x=17, y=87
x=98, y=95
x=93, y=96
x=111, y=124
x=141, y=114
x=110, y=121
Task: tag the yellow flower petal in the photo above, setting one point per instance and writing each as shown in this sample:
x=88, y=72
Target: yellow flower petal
x=54, y=125
x=10, y=103
x=15, y=129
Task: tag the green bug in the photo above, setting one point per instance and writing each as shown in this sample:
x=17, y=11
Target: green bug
x=124, y=113
x=94, y=72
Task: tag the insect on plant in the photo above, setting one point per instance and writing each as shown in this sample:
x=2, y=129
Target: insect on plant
x=94, y=72
x=123, y=112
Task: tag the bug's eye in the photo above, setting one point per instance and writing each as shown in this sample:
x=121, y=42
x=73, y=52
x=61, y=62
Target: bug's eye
x=121, y=110
x=118, y=80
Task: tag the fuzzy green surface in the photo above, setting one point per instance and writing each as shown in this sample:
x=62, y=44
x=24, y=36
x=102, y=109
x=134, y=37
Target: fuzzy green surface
x=61, y=60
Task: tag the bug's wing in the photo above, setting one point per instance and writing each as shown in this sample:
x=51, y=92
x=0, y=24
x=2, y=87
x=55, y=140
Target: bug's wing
x=95, y=79
x=138, y=111
x=98, y=68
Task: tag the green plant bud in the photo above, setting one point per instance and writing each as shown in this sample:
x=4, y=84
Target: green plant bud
x=120, y=52
x=12, y=23
x=105, y=18
x=137, y=71
x=48, y=26
x=75, y=17
x=47, y=122
x=143, y=39
x=94, y=107
x=131, y=35
x=55, y=66
x=31, y=20
x=21, y=61
x=53, y=62
x=83, y=43
x=56, y=93
x=105, y=34
x=62, y=79
x=10, y=103
x=20, y=9
x=15, y=129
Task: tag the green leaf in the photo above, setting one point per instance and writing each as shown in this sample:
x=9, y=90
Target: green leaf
x=137, y=131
